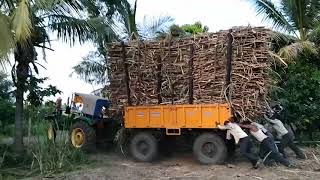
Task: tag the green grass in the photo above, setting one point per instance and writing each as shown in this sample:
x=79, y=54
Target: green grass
x=42, y=157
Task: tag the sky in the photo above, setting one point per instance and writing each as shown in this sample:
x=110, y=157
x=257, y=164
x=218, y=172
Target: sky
x=216, y=14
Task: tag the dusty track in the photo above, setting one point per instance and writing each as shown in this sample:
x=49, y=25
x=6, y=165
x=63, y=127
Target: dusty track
x=183, y=166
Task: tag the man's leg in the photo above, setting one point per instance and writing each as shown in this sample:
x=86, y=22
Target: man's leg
x=245, y=149
x=283, y=144
x=231, y=149
x=269, y=144
x=263, y=155
x=269, y=135
x=295, y=149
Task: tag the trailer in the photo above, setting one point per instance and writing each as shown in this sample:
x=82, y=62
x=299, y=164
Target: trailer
x=150, y=123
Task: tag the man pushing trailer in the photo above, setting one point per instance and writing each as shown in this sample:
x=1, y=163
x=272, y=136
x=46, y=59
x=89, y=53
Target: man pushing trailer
x=286, y=138
x=242, y=139
x=266, y=143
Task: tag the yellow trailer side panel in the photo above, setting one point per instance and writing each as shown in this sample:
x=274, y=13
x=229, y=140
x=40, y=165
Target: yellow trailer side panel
x=176, y=116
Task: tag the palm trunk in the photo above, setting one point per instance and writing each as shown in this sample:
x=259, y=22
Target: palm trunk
x=18, y=133
x=23, y=56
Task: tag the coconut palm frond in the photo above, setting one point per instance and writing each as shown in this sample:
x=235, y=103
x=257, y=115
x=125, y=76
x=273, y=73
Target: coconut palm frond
x=276, y=57
x=7, y=4
x=21, y=22
x=72, y=7
x=291, y=52
x=301, y=13
x=7, y=39
x=71, y=29
x=151, y=27
x=126, y=15
x=273, y=14
x=278, y=36
x=314, y=35
x=103, y=29
x=92, y=69
x=279, y=40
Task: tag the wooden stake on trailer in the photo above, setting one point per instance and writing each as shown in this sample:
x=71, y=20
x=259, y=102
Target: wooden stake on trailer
x=126, y=77
x=171, y=85
x=139, y=82
x=229, y=58
x=190, y=63
x=159, y=79
x=229, y=65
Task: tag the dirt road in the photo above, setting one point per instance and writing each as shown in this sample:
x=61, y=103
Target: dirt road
x=183, y=166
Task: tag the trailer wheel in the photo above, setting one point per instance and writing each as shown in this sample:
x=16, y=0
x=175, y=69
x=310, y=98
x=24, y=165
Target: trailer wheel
x=209, y=148
x=144, y=147
x=82, y=136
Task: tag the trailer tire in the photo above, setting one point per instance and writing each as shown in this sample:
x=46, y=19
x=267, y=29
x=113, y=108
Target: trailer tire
x=82, y=136
x=209, y=148
x=144, y=147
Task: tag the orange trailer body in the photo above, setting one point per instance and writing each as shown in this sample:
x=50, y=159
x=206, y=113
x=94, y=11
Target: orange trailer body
x=173, y=118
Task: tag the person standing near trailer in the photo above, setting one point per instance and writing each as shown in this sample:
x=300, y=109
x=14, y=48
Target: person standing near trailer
x=242, y=139
x=263, y=153
x=286, y=138
x=266, y=143
x=263, y=129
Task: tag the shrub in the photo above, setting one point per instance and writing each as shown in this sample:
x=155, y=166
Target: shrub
x=299, y=92
x=52, y=157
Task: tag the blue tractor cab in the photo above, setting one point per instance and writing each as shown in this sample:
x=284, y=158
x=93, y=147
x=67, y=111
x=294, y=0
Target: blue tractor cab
x=93, y=108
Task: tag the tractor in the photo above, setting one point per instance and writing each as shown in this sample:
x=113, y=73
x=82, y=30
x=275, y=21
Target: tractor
x=90, y=120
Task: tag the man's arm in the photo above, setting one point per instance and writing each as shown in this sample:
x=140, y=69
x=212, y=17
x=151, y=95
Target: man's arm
x=268, y=119
x=228, y=136
x=247, y=126
x=224, y=127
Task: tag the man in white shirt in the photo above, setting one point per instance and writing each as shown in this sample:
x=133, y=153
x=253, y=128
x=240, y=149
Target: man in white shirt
x=286, y=139
x=242, y=139
x=266, y=143
x=263, y=129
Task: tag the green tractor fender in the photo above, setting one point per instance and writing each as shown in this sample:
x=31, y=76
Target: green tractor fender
x=85, y=119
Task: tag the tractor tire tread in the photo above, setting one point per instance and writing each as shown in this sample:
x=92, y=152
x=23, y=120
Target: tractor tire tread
x=153, y=144
x=221, y=148
x=90, y=135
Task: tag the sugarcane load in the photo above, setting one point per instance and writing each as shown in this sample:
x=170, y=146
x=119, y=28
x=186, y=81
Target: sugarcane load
x=228, y=67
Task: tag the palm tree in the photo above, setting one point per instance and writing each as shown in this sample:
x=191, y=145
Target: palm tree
x=25, y=25
x=298, y=18
x=94, y=69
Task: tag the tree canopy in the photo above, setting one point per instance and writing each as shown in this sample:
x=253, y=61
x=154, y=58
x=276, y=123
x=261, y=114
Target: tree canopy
x=299, y=18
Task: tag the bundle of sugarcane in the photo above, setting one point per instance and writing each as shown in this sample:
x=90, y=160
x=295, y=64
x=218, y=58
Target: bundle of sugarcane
x=194, y=70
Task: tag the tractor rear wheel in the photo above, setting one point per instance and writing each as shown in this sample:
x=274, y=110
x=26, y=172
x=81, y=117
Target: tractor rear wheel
x=144, y=147
x=82, y=136
x=209, y=148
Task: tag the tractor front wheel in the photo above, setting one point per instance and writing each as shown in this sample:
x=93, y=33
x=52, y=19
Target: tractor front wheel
x=52, y=133
x=144, y=147
x=82, y=135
